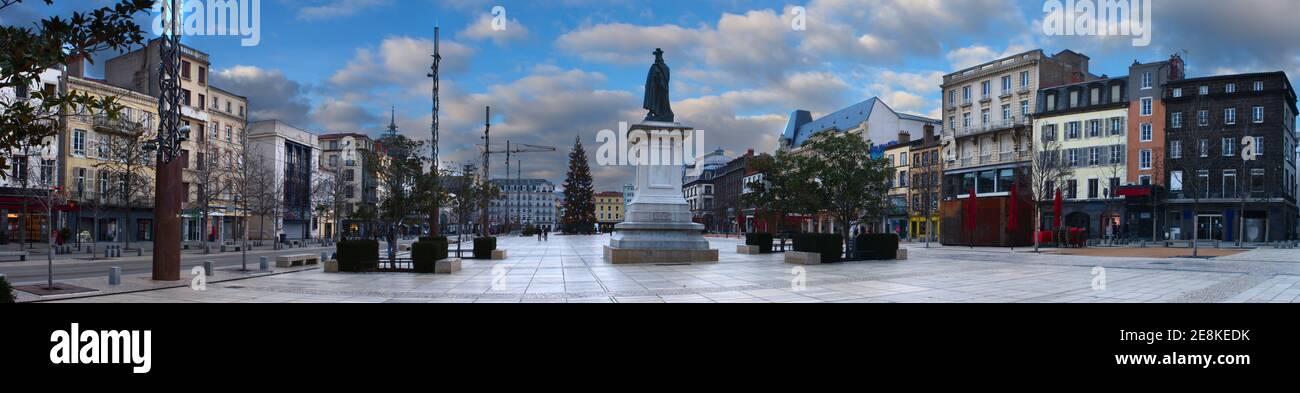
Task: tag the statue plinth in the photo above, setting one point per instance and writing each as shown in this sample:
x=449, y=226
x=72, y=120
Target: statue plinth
x=658, y=226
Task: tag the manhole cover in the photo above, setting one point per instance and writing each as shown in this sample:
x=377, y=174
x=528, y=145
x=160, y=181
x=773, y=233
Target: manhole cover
x=235, y=287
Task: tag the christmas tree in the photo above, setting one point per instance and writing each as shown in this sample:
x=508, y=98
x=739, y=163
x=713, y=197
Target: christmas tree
x=579, y=207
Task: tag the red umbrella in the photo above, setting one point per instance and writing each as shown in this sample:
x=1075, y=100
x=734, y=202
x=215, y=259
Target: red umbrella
x=1056, y=210
x=1013, y=207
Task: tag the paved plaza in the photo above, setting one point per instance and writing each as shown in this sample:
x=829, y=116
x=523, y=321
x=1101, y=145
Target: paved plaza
x=570, y=269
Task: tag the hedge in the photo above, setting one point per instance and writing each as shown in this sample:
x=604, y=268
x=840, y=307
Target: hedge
x=427, y=252
x=483, y=247
x=6, y=291
x=876, y=247
x=358, y=255
x=830, y=246
x=761, y=239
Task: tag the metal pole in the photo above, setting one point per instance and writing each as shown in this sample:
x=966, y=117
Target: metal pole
x=487, y=157
x=167, y=197
x=434, y=215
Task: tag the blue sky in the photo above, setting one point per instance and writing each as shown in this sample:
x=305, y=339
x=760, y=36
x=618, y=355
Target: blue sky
x=567, y=68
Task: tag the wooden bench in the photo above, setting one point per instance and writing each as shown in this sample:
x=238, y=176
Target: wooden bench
x=22, y=255
x=296, y=260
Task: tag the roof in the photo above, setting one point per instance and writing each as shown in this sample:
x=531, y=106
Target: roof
x=800, y=128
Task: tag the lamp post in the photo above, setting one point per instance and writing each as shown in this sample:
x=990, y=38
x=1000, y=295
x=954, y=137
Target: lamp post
x=168, y=194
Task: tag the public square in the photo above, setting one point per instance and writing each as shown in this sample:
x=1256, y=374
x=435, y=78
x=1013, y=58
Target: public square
x=570, y=269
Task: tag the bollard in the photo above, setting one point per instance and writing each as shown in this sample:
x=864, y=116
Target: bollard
x=264, y=264
x=324, y=256
x=208, y=269
x=114, y=275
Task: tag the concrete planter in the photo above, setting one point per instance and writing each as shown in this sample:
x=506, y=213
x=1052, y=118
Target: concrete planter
x=902, y=254
x=803, y=258
x=331, y=266
x=748, y=250
x=498, y=255
x=446, y=266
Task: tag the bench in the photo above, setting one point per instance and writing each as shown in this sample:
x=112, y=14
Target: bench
x=22, y=255
x=296, y=260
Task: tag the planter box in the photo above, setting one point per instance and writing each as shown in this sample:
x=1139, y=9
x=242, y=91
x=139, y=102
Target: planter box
x=447, y=266
x=803, y=258
x=749, y=250
x=331, y=266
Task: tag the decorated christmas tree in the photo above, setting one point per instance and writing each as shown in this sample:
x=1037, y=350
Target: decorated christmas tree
x=579, y=207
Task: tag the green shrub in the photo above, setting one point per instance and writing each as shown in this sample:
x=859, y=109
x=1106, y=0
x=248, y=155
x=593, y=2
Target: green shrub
x=6, y=291
x=830, y=246
x=761, y=239
x=876, y=247
x=426, y=253
x=358, y=255
x=483, y=247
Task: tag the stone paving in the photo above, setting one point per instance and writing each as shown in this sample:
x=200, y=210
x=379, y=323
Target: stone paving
x=570, y=269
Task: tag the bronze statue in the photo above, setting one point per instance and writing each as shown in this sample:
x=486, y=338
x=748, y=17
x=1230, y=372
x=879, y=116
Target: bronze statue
x=656, y=91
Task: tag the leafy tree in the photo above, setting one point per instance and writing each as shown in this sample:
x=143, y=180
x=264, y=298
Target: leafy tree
x=783, y=189
x=26, y=52
x=579, y=205
x=848, y=182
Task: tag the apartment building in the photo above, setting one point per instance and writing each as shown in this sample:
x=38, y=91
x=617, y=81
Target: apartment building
x=987, y=113
x=923, y=196
x=609, y=210
x=346, y=155
x=293, y=156
x=899, y=157
x=32, y=171
x=1084, y=126
x=525, y=202
x=1215, y=191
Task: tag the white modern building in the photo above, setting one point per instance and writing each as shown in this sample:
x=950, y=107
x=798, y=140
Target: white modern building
x=293, y=155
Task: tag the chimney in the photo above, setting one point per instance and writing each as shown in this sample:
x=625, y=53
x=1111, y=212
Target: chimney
x=77, y=66
x=929, y=133
x=904, y=137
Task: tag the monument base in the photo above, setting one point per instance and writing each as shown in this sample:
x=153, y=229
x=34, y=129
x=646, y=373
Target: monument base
x=627, y=256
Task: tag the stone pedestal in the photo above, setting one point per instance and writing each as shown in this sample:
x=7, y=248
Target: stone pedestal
x=498, y=255
x=446, y=266
x=749, y=250
x=658, y=226
x=803, y=258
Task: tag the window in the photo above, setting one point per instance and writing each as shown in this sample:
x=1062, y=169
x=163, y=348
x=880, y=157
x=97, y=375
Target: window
x=229, y=134
x=952, y=97
x=1229, y=147
x=1257, y=180
x=1024, y=108
x=47, y=172
x=1072, y=189
x=1175, y=149
x=1093, y=187
x=334, y=161
x=965, y=120
x=952, y=123
x=1257, y=113
x=1116, y=126
x=1006, y=112
x=1072, y=157
x=79, y=142
x=1024, y=79
x=186, y=97
x=1146, y=80
x=1049, y=133
x=1258, y=86
x=1176, y=119
x=965, y=93
x=985, y=87
x=1144, y=180
x=1230, y=116
x=1203, y=118
x=203, y=75
x=1203, y=183
x=1072, y=130
x=1146, y=106
x=1230, y=88
x=81, y=180
x=984, y=117
x=903, y=159
x=1175, y=180
x=1229, y=183
x=1204, y=148
x=1144, y=159
x=1204, y=90
x=20, y=169
x=1006, y=84
x=1178, y=92
x=1117, y=154
x=1145, y=133
x=1094, y=128
x=203, y=101
x=1094, y=156
x=185, y=69
x=1259, y=146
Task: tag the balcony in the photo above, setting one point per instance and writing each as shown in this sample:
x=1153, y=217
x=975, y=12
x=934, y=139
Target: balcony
x=119, y=125
x=994, y=158
x=996, y=125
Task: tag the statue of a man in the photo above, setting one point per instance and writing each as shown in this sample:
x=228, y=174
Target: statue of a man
x=656, y=91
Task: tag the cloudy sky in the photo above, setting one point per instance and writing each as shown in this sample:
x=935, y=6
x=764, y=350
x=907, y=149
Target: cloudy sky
x=568, y=68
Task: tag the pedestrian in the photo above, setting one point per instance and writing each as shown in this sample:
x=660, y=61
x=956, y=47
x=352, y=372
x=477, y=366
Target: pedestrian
x=546, y=235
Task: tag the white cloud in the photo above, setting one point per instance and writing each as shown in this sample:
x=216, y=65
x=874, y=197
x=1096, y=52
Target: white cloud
x=399, y=61
x=337, y=9
x=270, y=94
x=481, y=29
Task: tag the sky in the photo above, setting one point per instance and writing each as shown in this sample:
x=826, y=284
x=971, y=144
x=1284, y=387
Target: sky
x=566, y=69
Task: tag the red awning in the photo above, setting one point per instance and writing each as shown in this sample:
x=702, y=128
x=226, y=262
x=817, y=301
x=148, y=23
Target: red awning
x=1134, y=192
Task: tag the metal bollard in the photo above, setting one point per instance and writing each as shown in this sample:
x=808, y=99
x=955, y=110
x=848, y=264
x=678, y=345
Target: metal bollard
x=264, y=264
x=114, y=275
x=208, y=269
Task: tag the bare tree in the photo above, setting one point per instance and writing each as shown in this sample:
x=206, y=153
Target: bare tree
x=128, y=163
x=328, y=196
x=1198, y=149
x=213, y=183
x=1047, y=171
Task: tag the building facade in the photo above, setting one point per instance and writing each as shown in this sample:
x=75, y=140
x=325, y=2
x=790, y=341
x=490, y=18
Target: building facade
x=987, y=111
x=32, y=173
x=1084, y=127
x=923, y=196
x=1215, y=191
x=609, y=210
x=293, y=156
x=524, y=202
x=899, y=157
x=346, y=155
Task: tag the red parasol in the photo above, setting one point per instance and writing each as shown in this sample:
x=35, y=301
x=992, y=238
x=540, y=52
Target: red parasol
x=1013, y=210
x=1056, y=210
